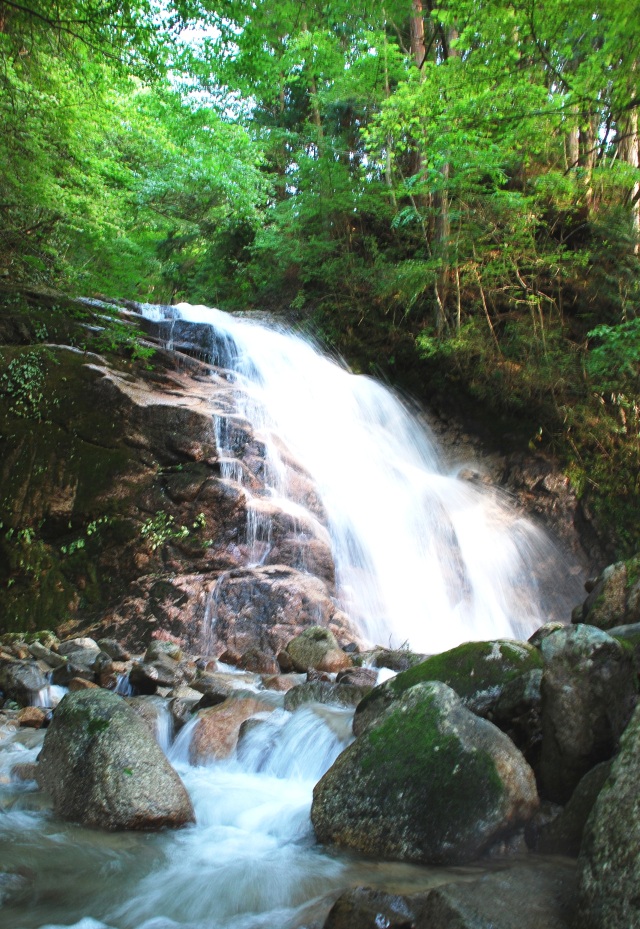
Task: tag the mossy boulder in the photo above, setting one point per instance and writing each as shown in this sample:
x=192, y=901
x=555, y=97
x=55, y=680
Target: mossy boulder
x=103, y=767
x=615, y=597
x=589, y=689
x=609, y=864
x=317, y=648
x=477, y=671
x=430, y=783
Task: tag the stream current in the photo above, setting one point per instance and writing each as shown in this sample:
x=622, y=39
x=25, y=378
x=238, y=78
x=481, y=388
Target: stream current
x=421, y=557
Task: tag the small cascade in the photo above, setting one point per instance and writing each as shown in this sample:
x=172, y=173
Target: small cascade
x=123, y=685
x=50, y=696
x=421, y=556
x=252, y=858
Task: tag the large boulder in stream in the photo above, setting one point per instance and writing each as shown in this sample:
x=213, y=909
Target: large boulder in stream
x=589, y=689
x=103, y=767
x=477, y=671
x=609, y=864
x=431, y=783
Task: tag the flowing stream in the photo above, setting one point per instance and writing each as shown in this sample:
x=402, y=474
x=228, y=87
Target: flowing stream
x=421, y=557
x=250, y=862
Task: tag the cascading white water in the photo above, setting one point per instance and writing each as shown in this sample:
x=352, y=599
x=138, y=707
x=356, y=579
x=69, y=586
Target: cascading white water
x=250, y=862
x=421, y=556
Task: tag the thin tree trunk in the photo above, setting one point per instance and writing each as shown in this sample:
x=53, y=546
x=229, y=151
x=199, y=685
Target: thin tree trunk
x=629, y=150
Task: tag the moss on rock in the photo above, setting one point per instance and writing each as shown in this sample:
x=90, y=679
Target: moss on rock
x=477, y=671
x=432, y=783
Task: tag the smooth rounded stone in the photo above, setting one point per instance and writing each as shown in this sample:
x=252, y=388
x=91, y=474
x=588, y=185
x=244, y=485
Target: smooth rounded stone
x=42, y=653
x=609, y=863
x=147, y=676
x=254, y=659
x=63, y=675
x=317, y=648
x=80, y=683
x=431, y=783
x=114, y=649
x=80, y=644
x=102, y=767
x=589, y=690
x=537, y=896
x=367, y=908
x=615, y=597
x=396, y=659
x=324, y=692
x=543, y=631
x=21, y=681
x=282, y=682
x=518, y=712
x=33, y=717
x=159, y=649
x=81, y=651
x=563, y=834
x=218, y=685
x=477, y=671
x=359, y=677
x=215, y=735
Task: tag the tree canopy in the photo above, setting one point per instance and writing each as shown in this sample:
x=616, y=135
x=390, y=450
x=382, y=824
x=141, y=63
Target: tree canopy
x=449, y=190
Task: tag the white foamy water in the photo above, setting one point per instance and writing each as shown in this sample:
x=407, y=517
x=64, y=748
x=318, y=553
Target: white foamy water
x=249, y=862
x=421, y=556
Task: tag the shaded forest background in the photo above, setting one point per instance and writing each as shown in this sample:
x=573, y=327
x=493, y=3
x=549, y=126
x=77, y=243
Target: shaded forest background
x=448, y=193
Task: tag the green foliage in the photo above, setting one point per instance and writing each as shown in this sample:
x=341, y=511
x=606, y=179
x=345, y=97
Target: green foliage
x=469, y=226
x=23, y=383
x=162, y=528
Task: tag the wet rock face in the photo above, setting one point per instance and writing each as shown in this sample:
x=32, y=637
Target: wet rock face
x=151, y=487
x=265, y=607
x=431, y=782
x=102, y=767
x=589, y=689
x=609, y=865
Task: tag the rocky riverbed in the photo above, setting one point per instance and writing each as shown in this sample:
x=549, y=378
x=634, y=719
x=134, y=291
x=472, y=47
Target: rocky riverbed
x=487, y=756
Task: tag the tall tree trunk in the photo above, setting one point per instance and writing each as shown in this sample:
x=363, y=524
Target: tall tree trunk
x=419, y=51
x=441, y=203
x=588, y=154
x=629, y=151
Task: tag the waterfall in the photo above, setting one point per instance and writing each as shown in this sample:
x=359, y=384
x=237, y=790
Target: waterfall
x=422, y=556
